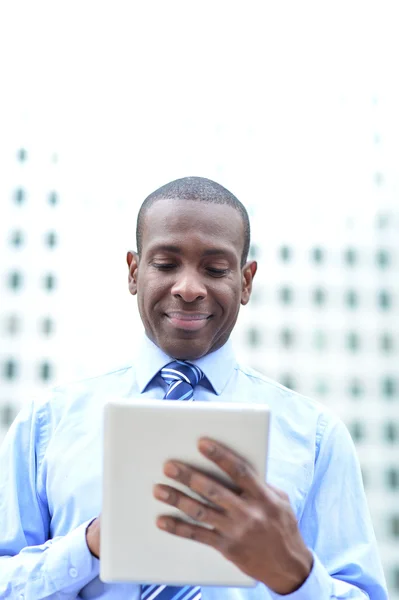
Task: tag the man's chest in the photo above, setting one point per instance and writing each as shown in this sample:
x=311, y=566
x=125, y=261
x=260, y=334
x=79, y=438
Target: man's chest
x=74, y=473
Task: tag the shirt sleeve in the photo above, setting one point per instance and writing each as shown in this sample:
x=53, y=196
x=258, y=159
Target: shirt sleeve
x=336, y=526
x=32, y=566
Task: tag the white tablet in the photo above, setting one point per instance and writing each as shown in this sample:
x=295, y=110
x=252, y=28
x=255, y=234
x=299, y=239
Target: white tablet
x=139, y=436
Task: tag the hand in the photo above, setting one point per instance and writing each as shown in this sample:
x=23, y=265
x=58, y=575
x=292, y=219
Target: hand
x=254, y=528
x=93, y=537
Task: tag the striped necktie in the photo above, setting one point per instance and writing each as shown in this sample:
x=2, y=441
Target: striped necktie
x=181, y=378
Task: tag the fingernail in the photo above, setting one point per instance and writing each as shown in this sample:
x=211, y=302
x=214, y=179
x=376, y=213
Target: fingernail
x=208, y=447
x=161, y=493
x=162, y=523
x=171, y=470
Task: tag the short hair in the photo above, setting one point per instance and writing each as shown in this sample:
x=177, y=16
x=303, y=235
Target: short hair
x=198, y=189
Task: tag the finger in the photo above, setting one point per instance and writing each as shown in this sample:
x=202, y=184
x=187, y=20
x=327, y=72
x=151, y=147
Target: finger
x=187, y=530
x=240, y=471
x=204, y=485
x=192, y=508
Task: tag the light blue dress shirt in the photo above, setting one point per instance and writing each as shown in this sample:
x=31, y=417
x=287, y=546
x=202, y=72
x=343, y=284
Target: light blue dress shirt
x=50, y=485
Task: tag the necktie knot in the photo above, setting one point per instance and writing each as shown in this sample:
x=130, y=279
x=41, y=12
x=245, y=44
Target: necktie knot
x=181, y=378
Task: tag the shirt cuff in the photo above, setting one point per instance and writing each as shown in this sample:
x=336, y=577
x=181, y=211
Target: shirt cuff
x=317, y=585
x=70, y=563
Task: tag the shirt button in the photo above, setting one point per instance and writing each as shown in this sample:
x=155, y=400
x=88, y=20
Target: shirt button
x=73, y=572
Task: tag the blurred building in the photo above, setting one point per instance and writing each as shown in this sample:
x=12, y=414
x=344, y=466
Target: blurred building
x=324, y=321
x=323, y=318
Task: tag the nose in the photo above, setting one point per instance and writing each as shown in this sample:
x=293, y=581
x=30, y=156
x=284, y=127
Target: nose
x=189, y=286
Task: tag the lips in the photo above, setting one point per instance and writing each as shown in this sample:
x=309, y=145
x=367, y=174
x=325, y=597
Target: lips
x=189, y=321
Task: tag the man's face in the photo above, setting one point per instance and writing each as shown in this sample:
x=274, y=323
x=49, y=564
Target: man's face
x=188, y=279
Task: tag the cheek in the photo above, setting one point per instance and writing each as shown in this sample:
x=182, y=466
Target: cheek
x=150, y=290
x=229, y=296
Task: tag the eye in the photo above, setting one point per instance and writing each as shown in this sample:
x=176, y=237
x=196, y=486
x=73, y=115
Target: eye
x=217, y=272
x=163, y=266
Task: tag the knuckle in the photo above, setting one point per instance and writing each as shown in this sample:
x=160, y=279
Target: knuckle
x=241, y=469
x=200, y=513
x=214, y=452
x=212, y=492
x=185, y=530
x=194, y=510
x=256, y=515
x=274, y=508
x=186, y=476
x=171, y=526
x=173, y=497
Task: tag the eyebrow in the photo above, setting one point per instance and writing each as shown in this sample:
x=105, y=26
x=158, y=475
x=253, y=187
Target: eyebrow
x=177, y=250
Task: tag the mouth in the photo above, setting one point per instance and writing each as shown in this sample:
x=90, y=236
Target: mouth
x=188, y=321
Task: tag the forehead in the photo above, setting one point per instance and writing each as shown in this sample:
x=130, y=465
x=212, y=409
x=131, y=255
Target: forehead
x=187, y=222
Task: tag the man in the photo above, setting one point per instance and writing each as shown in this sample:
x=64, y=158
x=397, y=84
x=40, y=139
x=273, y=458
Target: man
x=306, y=534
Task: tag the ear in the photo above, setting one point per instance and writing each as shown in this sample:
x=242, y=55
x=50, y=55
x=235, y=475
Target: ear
x=248, y=273
x=132, y=260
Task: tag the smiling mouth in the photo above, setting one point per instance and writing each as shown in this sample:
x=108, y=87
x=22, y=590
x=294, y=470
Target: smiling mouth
x=188, y=321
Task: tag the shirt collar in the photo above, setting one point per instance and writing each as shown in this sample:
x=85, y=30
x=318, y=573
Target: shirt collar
x=216, y=366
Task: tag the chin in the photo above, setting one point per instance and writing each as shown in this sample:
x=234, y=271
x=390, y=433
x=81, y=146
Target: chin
x=188, y=349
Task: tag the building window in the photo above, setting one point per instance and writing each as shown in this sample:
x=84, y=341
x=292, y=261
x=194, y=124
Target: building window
x=285, y=253
x=355, y=388
x=322, y=388
x=287, y=337
x=386, y=342
x=286, y=295
x=47, y=326
x=254, y=252
x=254, y=337
x=10, y=369
x=378, y=179
x=389, y=387
x=353, y=341
x=318, y=255
x=17, y=238
x=19, y=196
x=320, y=340
x=383, y=258
x=22, y=155
x=51, y=239
x=12, y=325
x=391, y=432
x=394, y=526
x=351, y=299
x=256, y=295
x=357, y=431
x=384, y=300
x=53, y=198
x=45, y=371
x=15, y=280
x=319, y=296
x=288, y=381
x=350, y=256
x=49, y=282
x=7, y=415
x=392, y=478
x=383, y=220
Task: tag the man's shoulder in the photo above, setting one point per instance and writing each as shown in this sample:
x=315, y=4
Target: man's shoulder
x=78, y=393
x=300, y=422
x=283, y=398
